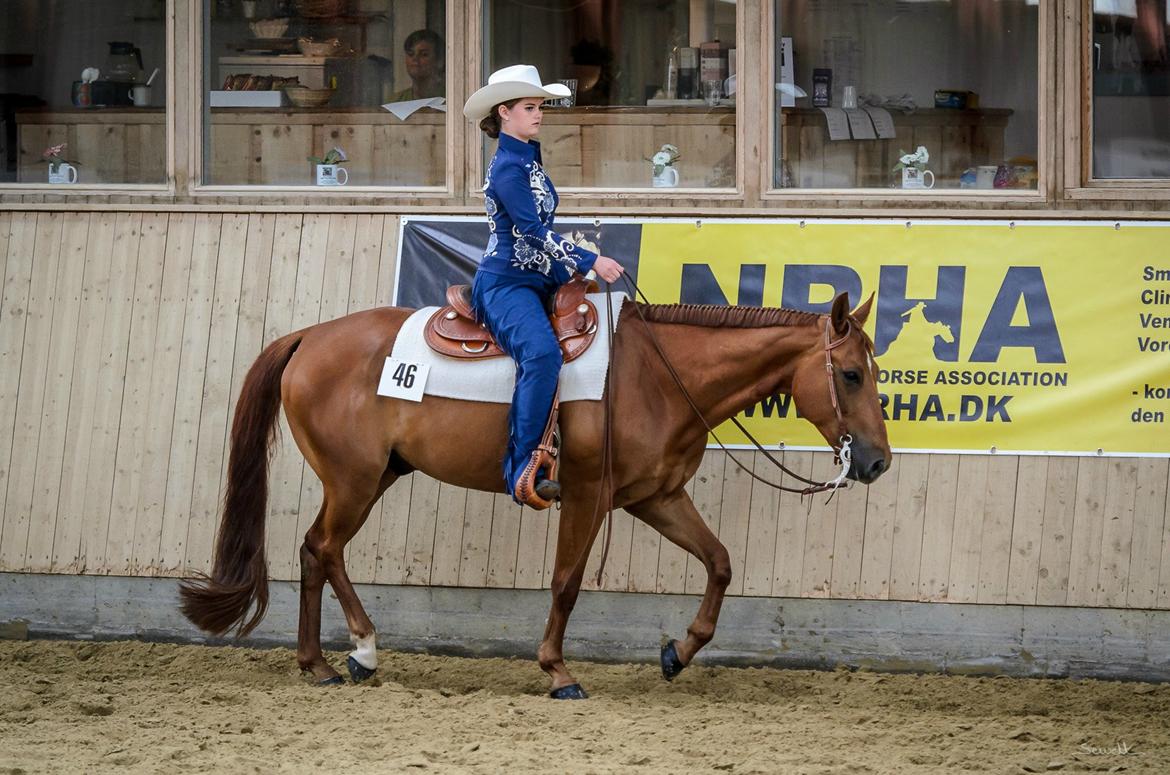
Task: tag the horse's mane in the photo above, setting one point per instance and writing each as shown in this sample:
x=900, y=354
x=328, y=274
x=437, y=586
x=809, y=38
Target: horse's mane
x=722, y=316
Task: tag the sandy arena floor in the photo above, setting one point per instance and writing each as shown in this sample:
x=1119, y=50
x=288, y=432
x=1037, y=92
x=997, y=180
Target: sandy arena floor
x=159, y=708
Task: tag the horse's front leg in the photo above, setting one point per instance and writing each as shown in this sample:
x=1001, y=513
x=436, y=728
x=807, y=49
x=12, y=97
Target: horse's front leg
x=578, y=529
x=675, y=516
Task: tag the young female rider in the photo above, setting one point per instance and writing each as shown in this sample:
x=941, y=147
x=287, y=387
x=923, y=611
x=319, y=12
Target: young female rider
x=525, y=262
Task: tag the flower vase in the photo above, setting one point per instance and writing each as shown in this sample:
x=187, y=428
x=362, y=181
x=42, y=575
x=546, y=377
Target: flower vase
x=332, y=175
x=667, y=178
x=63, y=172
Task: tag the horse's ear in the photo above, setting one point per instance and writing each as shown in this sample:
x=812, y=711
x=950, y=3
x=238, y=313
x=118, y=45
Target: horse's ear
x=840, y=313
x=862, y=312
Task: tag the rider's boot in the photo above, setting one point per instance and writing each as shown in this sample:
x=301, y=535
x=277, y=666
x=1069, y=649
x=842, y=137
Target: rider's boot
x=538, y=486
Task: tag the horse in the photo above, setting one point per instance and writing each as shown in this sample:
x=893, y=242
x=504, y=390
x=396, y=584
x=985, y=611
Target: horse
x=725, y=359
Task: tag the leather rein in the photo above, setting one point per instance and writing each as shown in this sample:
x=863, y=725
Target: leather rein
x=843, y=451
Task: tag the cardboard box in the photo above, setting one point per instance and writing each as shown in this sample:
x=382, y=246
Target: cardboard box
x=246, y=99
x=955, y=99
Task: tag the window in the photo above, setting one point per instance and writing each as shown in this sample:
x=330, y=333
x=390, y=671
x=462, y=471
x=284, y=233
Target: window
x=82, y=92
x=289, y=81
x=645, y=73
x=1130, y=65
x=950, y=86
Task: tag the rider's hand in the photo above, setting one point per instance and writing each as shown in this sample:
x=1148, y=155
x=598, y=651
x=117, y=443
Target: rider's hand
x=607, y=269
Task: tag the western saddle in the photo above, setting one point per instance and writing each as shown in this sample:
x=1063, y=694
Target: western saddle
x=453, y=330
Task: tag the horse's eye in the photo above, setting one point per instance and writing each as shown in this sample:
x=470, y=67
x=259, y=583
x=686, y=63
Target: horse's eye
x=852, y=376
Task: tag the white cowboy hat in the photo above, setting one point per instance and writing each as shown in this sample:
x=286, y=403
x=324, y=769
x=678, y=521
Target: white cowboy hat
x=511, y=83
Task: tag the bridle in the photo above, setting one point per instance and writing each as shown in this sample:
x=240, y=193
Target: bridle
x=843, y=452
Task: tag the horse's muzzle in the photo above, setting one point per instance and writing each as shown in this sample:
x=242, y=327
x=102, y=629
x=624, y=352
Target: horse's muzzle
x=869, y=463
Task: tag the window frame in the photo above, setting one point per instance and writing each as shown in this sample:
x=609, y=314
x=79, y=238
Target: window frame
x=199, y=189
x=832, y=198
x=1078, y=135
x=572, y=196
x=166, y=187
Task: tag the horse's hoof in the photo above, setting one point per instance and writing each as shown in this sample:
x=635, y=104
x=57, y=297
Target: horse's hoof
x=570, y=692
x=334, y=681
x=671, y=664
x=357, y=671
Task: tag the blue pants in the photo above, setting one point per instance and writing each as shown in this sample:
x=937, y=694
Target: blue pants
x=514, y=310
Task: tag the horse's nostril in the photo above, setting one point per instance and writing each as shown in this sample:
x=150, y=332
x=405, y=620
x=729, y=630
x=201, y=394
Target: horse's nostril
x=877, y=468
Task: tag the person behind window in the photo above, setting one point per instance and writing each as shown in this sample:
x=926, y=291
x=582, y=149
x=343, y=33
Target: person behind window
x=524, y=264
x=425, y=66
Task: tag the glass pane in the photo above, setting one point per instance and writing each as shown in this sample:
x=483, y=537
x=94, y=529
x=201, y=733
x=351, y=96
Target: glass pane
x=906, y=94
x=1131, y=88
x=75, y=106
x=289, y=81
x=645, y=73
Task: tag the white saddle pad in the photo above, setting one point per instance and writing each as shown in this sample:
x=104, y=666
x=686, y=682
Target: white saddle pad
x=492, y=379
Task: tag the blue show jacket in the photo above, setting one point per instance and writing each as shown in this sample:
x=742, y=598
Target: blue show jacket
x=521, y=203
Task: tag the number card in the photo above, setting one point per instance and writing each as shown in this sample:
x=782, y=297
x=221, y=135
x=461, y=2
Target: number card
x=402, y=379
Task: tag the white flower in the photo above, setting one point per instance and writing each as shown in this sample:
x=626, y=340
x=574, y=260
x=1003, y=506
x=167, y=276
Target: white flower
x=921, y=156
x=661, y=158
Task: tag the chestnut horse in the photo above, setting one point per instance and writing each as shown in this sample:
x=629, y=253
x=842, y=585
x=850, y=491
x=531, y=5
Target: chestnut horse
x=359, y=444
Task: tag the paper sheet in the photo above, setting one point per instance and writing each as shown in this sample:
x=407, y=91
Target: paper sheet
x=860, y=125
x=838, y=123
x=403, y=109
x=882, y=121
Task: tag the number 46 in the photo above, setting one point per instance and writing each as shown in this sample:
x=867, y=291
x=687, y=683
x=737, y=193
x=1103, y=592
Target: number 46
x=404, y=375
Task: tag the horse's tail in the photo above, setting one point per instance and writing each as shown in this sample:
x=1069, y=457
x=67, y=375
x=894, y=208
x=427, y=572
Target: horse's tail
x=239, y=575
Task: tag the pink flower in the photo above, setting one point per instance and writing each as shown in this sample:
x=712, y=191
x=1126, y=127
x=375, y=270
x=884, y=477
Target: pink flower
x=53, y=151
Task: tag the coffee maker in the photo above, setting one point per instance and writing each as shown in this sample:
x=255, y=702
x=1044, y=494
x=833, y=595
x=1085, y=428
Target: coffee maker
x=123, y=69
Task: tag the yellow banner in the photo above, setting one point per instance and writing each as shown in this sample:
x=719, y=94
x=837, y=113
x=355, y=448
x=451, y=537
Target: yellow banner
x=1025, y=337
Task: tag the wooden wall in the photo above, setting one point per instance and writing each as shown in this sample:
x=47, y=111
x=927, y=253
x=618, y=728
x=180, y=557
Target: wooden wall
x=124, y=337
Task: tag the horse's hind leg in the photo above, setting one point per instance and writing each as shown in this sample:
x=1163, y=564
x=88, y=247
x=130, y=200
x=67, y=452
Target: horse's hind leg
x=344, y=511
x=676, y=517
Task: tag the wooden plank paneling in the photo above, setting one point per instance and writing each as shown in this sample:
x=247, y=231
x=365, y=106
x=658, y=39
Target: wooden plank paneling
x=122, y=472
x=938, y=527
x=881, y=509
x=50, y=454
x=228, y=303
x=996, y=538
x=1149, y=521
x=1117, y=532
x=73, y=511
x=202, y=368
x=791, y=523
x=820, y=533
x=849, y=541
x=29, y=399
x=1027, y=530
x=909, y=524
x=1088, y=518
x=1056, y=542
x=109, y=384
x=182, y=256
x=127, y=480
x=966, y=541
x=763, y=517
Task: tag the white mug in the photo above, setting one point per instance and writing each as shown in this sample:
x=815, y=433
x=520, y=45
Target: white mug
x=985, y=176
x=668, y=178
x=912, y=177
x=63, y=173
x=332, y=175
x=139, y=95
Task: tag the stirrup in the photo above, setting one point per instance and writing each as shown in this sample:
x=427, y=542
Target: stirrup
x=531, y=489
